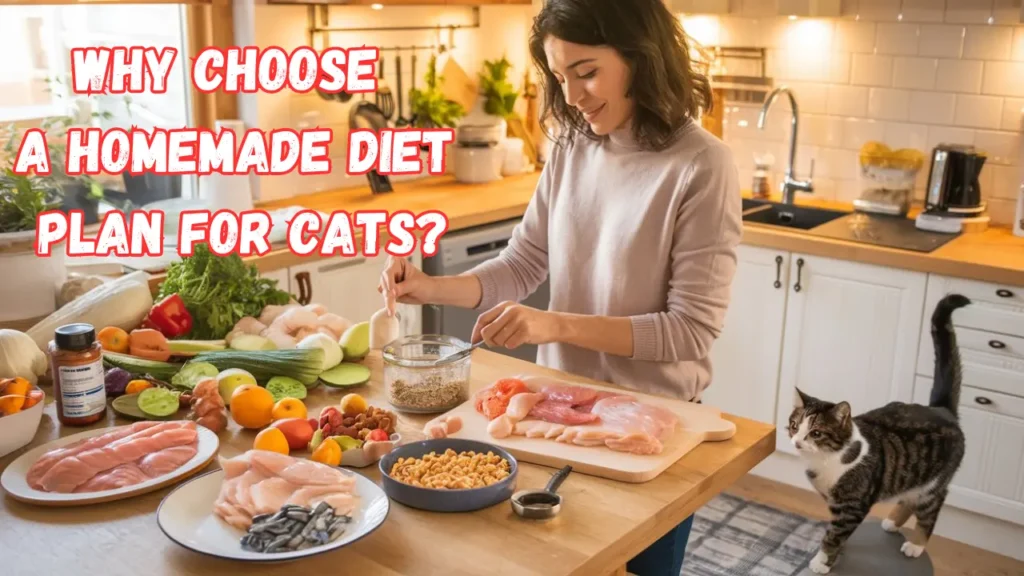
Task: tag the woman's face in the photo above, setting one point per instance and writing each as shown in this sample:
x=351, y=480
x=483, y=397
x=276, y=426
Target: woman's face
x=594, y=79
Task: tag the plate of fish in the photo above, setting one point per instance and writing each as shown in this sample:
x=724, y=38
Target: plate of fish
x=108, y=464
x=267, y=507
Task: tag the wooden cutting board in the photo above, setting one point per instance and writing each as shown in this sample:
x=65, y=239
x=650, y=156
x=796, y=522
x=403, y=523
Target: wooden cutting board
x=697, y=423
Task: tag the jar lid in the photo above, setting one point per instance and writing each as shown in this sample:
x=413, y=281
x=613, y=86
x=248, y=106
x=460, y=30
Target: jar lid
x=75, y=336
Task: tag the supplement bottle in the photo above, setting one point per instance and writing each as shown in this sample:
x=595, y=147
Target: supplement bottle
x=76, y=362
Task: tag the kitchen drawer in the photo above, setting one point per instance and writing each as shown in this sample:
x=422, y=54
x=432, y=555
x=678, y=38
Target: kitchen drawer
x=990, y=480
x=976, y=346
x=995, y=308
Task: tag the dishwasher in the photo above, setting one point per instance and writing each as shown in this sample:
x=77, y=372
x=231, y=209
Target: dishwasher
x=458, y=252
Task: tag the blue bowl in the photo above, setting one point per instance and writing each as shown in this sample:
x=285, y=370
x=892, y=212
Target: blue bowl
x=442, y=500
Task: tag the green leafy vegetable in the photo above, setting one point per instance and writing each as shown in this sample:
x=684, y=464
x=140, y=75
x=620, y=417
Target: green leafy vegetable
x=22, y=199
x=219, y=291
x=430, y=108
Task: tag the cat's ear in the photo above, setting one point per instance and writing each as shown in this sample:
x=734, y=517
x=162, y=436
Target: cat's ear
x=841, y=412
x=800, y=400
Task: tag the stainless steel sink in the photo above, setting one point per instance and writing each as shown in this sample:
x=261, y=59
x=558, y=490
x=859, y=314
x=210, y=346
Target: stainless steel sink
x=787, y=215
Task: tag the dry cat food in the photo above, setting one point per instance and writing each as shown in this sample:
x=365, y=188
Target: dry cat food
x=433, y=392
x=451, y=470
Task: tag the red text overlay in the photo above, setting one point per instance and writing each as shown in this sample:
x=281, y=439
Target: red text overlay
x=246, y=233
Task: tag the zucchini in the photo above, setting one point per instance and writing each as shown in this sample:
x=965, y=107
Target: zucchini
x=193, y=347
x=303, y=365
x=140, y=366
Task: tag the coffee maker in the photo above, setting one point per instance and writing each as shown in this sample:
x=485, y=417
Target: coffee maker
x=953, y=191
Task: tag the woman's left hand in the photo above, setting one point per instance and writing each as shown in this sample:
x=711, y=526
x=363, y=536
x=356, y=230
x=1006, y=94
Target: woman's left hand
x=511, y=325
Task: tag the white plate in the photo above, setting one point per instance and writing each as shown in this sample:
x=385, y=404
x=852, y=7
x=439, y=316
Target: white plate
x=14, y=482
x=186, y=517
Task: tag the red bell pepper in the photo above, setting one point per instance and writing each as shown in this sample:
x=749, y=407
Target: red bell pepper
x=170, y=317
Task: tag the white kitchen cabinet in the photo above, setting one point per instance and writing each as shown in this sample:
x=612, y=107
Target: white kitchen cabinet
x=745, y=358
x=851, y=334
x=282, y=277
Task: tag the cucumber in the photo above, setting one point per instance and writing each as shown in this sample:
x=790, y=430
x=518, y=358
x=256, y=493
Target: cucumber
x=285, y=387
x=346, y=374
x=303, y=365
x=140, y=366
x=193, y=347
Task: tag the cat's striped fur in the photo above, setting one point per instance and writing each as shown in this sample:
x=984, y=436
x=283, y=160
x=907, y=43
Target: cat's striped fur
x=905, y=452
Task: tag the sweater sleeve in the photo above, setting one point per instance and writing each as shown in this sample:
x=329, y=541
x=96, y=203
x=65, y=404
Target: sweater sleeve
x=522, y=266
x=708, y=227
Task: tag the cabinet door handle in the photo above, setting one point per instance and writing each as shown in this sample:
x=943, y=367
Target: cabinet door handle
x=799, y=269
x=339, y=265
x=305, y=288
x=778, y=272
x=1004, y=293
x=997, y=344
x=982, y=400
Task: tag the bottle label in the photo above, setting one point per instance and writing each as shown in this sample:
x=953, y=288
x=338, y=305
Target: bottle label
x=82, y=389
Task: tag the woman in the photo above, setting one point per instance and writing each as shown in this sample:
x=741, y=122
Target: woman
x=636, y=218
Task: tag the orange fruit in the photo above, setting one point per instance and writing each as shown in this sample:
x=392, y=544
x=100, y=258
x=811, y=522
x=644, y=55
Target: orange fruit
x=271, y=439
x=136, y=386
x=288, y=408
x=113, y=339
x=328, y=452
x=252, y=406
x=353, y=404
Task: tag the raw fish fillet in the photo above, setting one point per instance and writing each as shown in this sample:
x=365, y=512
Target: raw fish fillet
x=167, y=460
x=493, y=400
x=46, y=461
x=73, y=471
x=261, y=482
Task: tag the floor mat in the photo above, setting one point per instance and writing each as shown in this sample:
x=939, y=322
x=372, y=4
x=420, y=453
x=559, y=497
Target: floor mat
x=731, y=536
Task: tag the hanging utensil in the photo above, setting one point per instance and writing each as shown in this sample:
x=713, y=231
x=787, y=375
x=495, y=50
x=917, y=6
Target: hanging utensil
x=412, y=115
x=385, y=101
x=402, y=120
x=367, y=115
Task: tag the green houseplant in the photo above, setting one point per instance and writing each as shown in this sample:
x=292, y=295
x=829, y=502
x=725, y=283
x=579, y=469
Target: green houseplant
x=500, y=96
x=430, y=108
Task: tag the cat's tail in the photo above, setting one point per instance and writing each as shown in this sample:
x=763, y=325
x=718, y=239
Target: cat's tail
x=946, y=389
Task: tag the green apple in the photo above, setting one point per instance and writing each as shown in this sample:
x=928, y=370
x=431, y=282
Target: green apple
x=228, y=380
x=355, y=342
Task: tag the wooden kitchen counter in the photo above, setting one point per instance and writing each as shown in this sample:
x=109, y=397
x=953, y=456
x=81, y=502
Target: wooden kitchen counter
x=602, y=524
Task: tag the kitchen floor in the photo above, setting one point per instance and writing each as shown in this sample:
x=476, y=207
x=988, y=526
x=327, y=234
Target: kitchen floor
x=949, y=557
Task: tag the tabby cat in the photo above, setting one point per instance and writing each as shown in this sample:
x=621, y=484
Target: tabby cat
x=906, y=452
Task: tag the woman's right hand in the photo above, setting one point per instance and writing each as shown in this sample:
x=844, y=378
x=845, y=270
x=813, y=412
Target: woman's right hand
x=404, y=283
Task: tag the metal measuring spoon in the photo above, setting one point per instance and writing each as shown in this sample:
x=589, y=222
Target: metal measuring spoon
x=462, y=352
x=541, y=504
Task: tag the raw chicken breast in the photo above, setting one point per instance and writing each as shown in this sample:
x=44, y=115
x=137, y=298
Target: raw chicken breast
x=46, y=461
x=166, y=460
x=631, y=416
x=560, y=413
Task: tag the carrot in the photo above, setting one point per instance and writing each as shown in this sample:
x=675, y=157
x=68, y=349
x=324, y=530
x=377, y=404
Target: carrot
x=149, y=344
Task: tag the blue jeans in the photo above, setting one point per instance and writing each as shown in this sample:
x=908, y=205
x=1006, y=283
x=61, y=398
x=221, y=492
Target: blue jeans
x=665, y=556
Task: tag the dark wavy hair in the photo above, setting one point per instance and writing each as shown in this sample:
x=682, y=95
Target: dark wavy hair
x=667, y=88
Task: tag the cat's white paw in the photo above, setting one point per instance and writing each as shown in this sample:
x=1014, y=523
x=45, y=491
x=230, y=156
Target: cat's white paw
x=818, y=563
x=890, y=526
x=911, y=550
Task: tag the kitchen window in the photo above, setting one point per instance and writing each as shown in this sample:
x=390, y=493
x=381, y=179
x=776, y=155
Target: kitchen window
x=36, y=43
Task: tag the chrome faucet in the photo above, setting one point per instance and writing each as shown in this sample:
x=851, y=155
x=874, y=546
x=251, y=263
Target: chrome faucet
x=789, y=184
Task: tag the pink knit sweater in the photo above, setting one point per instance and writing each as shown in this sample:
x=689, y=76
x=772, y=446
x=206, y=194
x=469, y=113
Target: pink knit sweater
x=627, y=232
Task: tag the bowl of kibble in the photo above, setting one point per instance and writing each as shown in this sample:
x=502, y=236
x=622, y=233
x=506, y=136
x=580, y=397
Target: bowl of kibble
x=449, y=475
x=416, y=381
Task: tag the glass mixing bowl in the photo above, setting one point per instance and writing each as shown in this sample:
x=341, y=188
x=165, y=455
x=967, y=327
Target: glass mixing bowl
x=413, y=383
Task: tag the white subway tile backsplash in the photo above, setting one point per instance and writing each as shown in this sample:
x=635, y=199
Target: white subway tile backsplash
x=1001, y=147
x=1006, y=182
x=1001, y=211
x=896, y=39
x=1013, y=114
x=940, y=40
x=945, y=135
x=847, y=100
x=899, y=135
x=871, y=70
x=932, y=107
x=1017, y=47
x=978, y=111
x=888, y=104
x=839, y=68
x=857, y=131
x=968, y=11
x=983, y=42
x=1004, y=79
x=821, y=130
x=876, y=10
x=915, y=73
x=959, y=76
x=923, y=10
x=812, y=98
x=854, y=36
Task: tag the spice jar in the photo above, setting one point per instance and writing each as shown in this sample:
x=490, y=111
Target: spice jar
x=413, y=382
x=76, y=362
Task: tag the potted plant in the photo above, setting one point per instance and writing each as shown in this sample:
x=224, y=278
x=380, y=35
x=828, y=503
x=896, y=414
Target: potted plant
x=430, y=108
x=498, y=93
